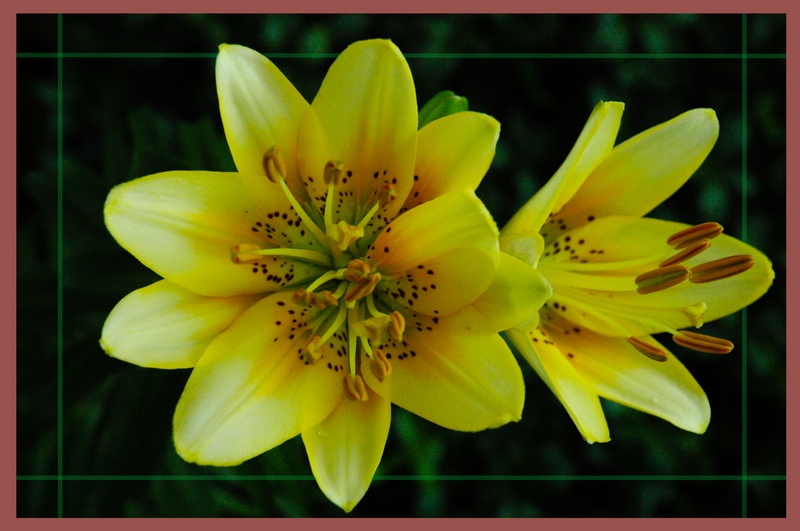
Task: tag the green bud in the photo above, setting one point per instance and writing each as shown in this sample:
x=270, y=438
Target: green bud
x=443, y=104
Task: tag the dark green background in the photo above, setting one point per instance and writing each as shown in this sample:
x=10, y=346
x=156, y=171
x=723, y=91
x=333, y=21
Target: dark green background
x=133, y=105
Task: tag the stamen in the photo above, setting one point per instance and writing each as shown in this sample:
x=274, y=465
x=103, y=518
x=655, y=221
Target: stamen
x=275, y=170
x=661, y=278
x=723, y=268
x=248, y=252
x=344, y=234
x=398, y=326
x=386, y=194
x=363, y=280
x=333, y=172
x=311, y=351
x=354, y=385
x=362, y=288
x=243, y=253
x=273, y=165
x=654, y=353
x=702, y=343
x=687, y=237
x=379, y=365
x=365, y=219
x=689, y=252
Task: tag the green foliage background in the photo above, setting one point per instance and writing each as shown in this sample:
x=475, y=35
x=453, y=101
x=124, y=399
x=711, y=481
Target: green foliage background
x=125, y=115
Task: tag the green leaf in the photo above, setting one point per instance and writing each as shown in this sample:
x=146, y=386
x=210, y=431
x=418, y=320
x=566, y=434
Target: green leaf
x=443, y=104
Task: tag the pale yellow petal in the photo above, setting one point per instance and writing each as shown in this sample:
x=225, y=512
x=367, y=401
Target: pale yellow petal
x=182, y=225
x=439, y=256
x=167, y=327
x=251, y=389
x=515, y=295
x=364, y=115
x=594, y=144
x=346, y=448
x=553, y=367
x=615, y=370
x=453, y=154
x=453, y=371
x=642, y=172
x=260, y=108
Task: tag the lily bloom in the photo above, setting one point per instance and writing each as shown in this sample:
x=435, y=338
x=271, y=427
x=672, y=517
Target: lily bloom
x=619, y=277
x=346, y=265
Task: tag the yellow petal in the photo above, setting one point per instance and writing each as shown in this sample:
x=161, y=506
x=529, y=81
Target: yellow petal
x=554, y=368
x=439, y=256
x=260, y=108
x=346, y=448
x=182, y=225
x=616, y=371
x=167, y=327
x=364, y=115
x=645, y=170
x=516, y=294
x=453, y=154
x=593, y=145
x=251, y=390
x=453, y=371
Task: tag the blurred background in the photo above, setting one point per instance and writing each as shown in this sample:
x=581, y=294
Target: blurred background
x=139, y=97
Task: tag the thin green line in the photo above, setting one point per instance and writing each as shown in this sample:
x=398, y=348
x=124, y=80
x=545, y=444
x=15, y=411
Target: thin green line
x=744, y=239
x=60, y=255
x=309, y=477
x=455, y=55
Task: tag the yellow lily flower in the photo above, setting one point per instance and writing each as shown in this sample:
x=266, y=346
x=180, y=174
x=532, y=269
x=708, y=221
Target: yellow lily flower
x=619, y=277
x=345, y=266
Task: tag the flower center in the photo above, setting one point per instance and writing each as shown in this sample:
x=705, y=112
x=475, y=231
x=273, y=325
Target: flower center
x=611, y=296
x=344, y=295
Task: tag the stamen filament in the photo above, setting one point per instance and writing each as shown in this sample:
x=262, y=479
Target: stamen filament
x=332, y=175
x=325, y=277
x=365, y=220
x=315, y=230
x=373, y=311
x=720, y=269
x=249, y=252
x=340, y=317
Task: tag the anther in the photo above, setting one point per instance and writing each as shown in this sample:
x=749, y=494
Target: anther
x=398, y=326
x=702, y=343
x=687, y=237
x=362, y=288
x=661, y=278
x=697, y=247
x=344, y=234
x=723, y=268
x=386, y=194
x=379, y=365
x=273, y=165
x=242, y=253
x=333, y=172
x=356, y=271
x=311, y=351
x=654, y=353
x=354, y=385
